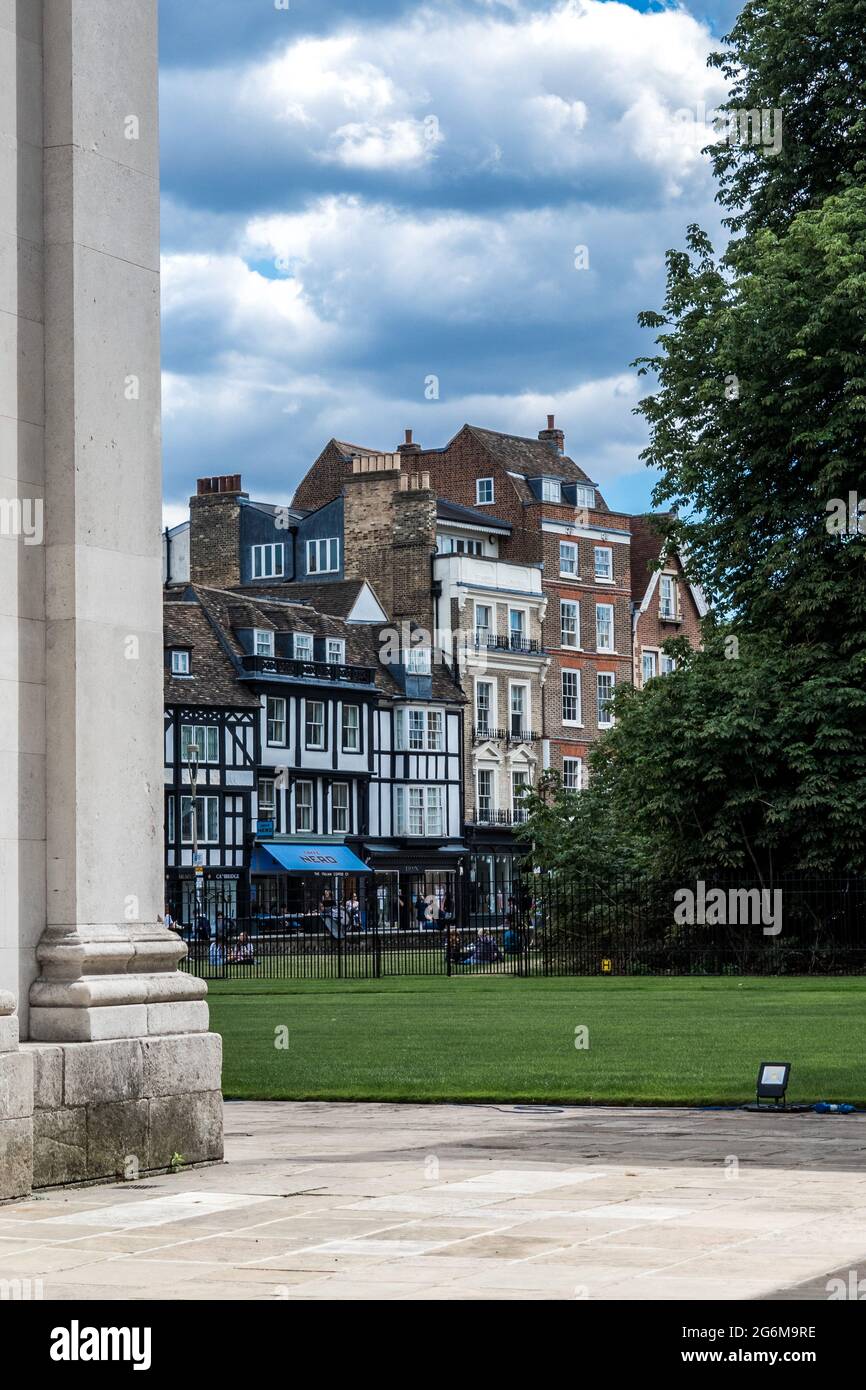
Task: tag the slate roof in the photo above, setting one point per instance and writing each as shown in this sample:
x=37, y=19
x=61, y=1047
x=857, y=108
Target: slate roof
x=336, y=597
x=213, y=679
x=453, y=511
x=530, y=457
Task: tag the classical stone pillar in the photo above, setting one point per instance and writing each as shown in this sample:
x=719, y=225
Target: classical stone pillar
x=131, y=1075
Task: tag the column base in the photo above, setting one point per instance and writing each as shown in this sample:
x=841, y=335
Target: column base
x=16, y=1107
x=122, y=1107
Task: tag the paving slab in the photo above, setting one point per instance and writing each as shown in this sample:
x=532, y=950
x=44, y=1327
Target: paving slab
x=411, y=1202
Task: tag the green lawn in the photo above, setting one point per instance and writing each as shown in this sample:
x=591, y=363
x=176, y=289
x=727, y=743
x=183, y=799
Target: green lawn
x=504, y=1039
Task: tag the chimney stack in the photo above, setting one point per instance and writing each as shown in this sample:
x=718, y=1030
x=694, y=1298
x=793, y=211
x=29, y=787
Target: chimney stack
x=215, y=531
x=408, y=447
x=552, y=436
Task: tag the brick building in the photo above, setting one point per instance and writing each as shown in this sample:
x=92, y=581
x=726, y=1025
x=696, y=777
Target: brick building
x=664, y=603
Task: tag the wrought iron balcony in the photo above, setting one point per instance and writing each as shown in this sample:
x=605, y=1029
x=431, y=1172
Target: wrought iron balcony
x=481, y=733
x=320, y=671
x=485, y=816
x=523, y=736
x=507, y=642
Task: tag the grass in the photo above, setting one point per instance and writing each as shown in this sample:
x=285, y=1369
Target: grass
x=651, y=1041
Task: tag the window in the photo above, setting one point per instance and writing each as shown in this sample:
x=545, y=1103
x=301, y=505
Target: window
x=315, y=724
x=323, y=557
x=584, y=496
x=418, y=810
x=204, y=737
x=604, y=627
x=572, y=774
x=483, y=491
x=457, y=545
x=418, y=661
x=180, y=662
x=667, y=596
x=207, y=820
x=519, y=785
x=276, y=720
x=267, y=561
x=303, y=806
x=169, y=820
x=551, y=490
x=483, y=619
x=649, y=666
x=485, y=794
x=518, y=700
x=340, y=808
x=425, y=730
x=335, y=651
x=603, y=562
x=483, y=705
x=302, y=646
x=605, y=699
x=516, y=628
x=571, y=712
x=351, y=729
x=567, y=558
x=569, y=622
x=669, y=663
x=263, y=642
x=267, y=798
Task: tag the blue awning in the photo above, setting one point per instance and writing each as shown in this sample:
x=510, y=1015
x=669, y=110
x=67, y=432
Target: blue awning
x=307, y=859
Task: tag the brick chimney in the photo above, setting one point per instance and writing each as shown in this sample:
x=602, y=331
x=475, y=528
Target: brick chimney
x=408, y=447
x=215, y=531
x=552, y=436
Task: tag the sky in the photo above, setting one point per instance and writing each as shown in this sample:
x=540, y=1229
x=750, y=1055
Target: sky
x=380, y=215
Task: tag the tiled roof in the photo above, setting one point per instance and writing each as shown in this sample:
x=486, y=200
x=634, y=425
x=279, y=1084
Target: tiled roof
x=336, y=597
x=531, y=457
x=213, y=679
x=646, y=547
x=452, y=511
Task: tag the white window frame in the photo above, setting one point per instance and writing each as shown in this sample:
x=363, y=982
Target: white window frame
x=526, y=713
x=668, y=664
x=347, y=726
x=668, y=581
x=180, y=661
x=523, y=631
x=599, y=677
x=272, y=553
x=604, y=608
x=573, y=772
x=653, y=656
x=302, y=646
x=420, y=811
x=269, y=806
x=604, y=576
x=519, y=815
x=460, y=545
x=491, y=710
x=336, y=827
x=491, y=773
x=202, y=821
x=298, y=806
x=487, y=627
x=272, y=720
x=418, y=661
x=418, y=726
x=551, y=490
x=335, y=651
x=263, y=641
x=576, y=694
x=484, y=501
x=569, y=603
x=323, y=555
x=205, y=737
x=309, y=723
x=565, y=548
x=584, y=496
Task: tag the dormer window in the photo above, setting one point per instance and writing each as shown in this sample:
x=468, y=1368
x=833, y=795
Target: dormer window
x=180, y=661
x=336, y=651
x=267, y=561
x=418, y=661
x=584, y=496
x=323, y=557
x=483, y=491
x=551, y=490
x=303, y=646
x=263, y=642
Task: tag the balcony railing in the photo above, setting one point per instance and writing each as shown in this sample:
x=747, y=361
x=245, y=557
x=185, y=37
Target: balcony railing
x=523, y=736
x=307, y=670
x=485, y=816
x=506, y=642
x=482, y=732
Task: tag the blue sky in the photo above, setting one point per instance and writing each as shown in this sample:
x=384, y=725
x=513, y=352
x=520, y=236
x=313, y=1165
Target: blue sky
x=361, y=197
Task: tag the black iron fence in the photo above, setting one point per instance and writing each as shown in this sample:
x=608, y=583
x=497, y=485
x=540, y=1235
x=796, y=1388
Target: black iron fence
x=390, y=924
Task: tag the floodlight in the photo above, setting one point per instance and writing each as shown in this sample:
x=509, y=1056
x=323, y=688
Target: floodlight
x=772, y=1082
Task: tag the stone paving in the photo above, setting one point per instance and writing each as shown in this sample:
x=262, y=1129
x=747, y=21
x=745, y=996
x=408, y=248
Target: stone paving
x=338, y=1201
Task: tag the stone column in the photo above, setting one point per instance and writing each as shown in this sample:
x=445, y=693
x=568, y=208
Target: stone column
x=109, y=994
